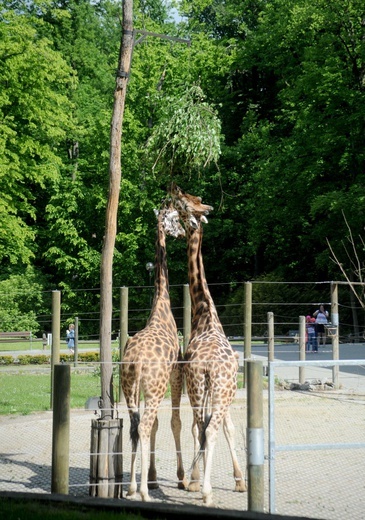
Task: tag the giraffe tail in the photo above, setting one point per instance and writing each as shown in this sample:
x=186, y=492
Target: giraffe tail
x=202, y=440
x=133, y=432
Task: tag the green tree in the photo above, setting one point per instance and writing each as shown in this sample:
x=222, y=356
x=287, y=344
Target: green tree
x=34, y=109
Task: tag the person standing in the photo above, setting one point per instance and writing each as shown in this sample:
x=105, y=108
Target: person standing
x=311, y=343
x=70, y=332
x=321, y=316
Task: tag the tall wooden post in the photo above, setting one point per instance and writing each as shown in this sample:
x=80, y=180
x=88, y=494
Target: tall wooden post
x=255, y=436
x=247, y=326
x=301, y=348
x=187, y=323
x=123, y=335
x=56, y=331
x=270, y=337
x=335, y=333
x=61, y=429
x=76, y=348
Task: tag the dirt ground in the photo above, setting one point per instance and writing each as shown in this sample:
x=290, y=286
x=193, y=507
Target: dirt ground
x=325, y=481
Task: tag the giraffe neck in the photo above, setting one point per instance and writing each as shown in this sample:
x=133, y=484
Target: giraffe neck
x=202, y=304
x=161, y=272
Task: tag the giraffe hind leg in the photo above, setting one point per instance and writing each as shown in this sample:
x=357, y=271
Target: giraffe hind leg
x=229, y=432
x=152, y=473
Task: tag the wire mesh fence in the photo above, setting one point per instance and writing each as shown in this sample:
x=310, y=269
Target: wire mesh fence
x=316, y=483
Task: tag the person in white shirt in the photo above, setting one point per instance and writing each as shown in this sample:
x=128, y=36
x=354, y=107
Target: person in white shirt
x=321, y=316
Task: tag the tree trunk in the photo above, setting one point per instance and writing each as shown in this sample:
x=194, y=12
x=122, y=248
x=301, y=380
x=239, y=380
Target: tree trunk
x=106, y=269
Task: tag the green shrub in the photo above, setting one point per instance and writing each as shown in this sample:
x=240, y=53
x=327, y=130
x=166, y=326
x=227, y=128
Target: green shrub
x=36, y=359
x=89, y=357
x=6, y=360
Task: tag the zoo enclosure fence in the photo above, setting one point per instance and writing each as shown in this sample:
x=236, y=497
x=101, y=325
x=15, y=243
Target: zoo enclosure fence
x=315, y=474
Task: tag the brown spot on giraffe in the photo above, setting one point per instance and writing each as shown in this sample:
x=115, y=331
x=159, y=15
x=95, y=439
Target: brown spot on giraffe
x=211, y=367
x=150, y=361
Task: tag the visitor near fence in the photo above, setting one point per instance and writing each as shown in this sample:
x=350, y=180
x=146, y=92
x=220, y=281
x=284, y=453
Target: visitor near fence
x=70, y=334
x=311, y=339
x=321, y=316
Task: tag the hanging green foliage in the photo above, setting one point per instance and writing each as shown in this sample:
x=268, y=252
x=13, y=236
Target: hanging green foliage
x=187, y=136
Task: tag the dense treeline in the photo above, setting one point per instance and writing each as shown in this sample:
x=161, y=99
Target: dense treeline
x=287, y=80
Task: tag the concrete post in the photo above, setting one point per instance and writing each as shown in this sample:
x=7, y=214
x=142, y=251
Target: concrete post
x=61, y=429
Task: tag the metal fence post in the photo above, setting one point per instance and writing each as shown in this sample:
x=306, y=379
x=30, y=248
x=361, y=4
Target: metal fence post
x=255, y=436
x=61, y=429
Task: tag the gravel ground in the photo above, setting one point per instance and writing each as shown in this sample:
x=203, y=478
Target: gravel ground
x=322, y=484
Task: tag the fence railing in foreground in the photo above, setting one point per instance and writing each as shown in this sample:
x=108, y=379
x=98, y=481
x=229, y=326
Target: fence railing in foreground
x=273, y=447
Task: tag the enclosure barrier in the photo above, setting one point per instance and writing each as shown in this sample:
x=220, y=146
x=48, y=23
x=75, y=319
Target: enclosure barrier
x=273, y=448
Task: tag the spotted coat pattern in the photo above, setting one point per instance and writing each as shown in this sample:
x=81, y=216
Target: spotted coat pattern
x=211, y=363
x=149, y=363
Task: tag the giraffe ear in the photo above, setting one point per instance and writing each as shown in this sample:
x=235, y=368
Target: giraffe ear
x=193, y=222
x=204, y=219
x=156, y=212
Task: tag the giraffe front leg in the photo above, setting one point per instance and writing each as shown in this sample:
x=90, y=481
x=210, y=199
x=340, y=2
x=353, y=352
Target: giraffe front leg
x=194, y=484
x=176, y=383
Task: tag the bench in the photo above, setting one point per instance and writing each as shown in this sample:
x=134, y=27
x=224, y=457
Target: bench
x=12, y=337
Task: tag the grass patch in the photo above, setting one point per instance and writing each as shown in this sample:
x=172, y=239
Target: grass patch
x=23, y=393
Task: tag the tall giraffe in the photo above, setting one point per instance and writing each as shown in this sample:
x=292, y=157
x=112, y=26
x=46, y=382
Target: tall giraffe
x=150, y=360
x=211, y=363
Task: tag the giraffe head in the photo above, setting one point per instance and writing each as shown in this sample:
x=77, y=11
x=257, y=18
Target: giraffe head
x=190, y=208
x=169, y=218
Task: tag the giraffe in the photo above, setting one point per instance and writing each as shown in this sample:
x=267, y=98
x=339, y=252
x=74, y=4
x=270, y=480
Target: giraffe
x=150, y=361
x=211, y=365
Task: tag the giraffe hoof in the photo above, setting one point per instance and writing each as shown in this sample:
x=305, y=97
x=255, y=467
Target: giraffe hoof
x=131, y=496
x=153, y=485
x=183, y=484
x=194, y=487
x=208, y=501
x=240, y=486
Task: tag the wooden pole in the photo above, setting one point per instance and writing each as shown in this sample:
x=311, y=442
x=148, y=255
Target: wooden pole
x=335, y=334
x=301, y=348
x=270, y=337
x=76, y=348
x=123, y=336
x=61, y=429
x=56, y=331
x=187, y=324
x=247, y=327
x=255, y=436
x=115, y=173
